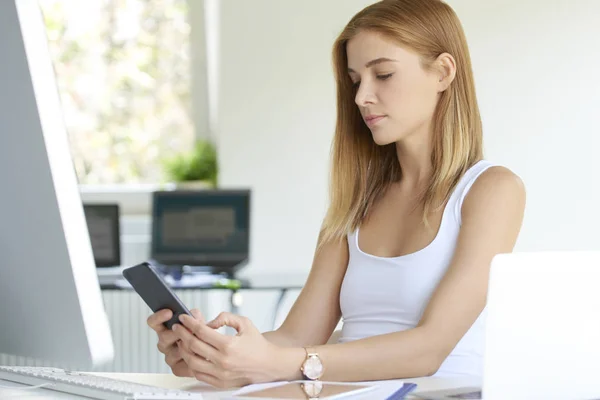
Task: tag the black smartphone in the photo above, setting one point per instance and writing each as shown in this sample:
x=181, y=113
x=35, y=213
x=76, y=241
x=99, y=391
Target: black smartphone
x=155, y=292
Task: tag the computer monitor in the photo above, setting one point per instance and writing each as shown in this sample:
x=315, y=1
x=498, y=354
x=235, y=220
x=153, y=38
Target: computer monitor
x=50, y=301
x=105, y=233
x=207, y=229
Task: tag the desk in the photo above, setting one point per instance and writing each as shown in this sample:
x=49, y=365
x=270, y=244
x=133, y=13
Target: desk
x=171, y=381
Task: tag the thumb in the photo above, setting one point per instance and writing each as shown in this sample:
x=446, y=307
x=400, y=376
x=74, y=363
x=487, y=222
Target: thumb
x=237, y=322
x=214, y=324
x=197, y=314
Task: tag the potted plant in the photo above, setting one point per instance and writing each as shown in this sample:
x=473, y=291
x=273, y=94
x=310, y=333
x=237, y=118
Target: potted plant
x=195, y=169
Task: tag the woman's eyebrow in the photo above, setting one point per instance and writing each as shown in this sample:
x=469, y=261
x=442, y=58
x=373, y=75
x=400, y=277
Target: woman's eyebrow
x=375, y=62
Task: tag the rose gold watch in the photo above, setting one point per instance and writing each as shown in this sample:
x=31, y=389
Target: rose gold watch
x=312, y=368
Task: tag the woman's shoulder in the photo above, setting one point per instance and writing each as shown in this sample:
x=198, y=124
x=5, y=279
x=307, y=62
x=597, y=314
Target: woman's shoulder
x=497, y=182
x=498, y=177
x=486, y=180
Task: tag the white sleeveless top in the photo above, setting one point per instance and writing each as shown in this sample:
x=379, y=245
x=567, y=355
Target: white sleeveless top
x=382, y=295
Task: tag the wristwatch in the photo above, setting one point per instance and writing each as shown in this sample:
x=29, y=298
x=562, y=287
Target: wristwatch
x=312, y=368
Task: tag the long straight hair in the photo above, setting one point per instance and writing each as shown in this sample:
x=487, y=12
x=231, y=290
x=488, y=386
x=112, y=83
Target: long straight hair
x=361, y=170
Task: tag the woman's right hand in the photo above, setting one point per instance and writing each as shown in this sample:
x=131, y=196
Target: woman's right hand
x=167, y=341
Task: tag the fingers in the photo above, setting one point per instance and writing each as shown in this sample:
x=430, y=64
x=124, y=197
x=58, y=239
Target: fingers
x=215, y=324
x=166, y=340
x=234, y=321
x=181, y=369
x=218, y=322
x=194, y=345
x=205, y=350
x=209, y=372
x=205, y=333
x=156, y=320
x=197, y=314
x=167, y=343
x=198, y=364
x=173, y=357
x=177, y=364
x=172, y=354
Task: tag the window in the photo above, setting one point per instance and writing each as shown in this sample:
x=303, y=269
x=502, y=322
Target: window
x=123, y=71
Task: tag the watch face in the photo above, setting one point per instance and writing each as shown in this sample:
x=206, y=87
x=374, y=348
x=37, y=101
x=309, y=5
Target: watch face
x=313, y=369
x=312, y=389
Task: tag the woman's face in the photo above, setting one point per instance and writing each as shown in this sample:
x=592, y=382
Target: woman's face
x=395, y=95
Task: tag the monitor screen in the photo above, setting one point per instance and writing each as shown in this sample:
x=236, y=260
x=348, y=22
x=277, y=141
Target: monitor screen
x=204, y=227
x=103, y=226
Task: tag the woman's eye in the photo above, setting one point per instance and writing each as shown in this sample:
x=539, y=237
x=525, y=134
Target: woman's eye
x=380, y=77
x=384, y=77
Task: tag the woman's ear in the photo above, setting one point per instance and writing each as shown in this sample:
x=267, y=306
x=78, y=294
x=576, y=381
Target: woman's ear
x=446, y=67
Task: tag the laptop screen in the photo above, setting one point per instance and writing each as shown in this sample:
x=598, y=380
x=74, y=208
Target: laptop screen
x=103, y=227
x=201, y=228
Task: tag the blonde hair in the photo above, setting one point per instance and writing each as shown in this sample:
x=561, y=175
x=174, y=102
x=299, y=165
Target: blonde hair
x=361, y=170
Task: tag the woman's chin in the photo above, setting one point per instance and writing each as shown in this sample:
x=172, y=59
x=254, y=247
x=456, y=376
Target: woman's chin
x=383, y=140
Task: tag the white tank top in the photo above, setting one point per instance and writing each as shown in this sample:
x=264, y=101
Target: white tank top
x=382, y=295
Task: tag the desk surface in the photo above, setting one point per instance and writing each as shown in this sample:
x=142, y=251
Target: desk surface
x=171, y=381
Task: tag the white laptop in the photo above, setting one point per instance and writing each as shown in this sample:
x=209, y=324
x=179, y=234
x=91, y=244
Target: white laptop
x=543, y=329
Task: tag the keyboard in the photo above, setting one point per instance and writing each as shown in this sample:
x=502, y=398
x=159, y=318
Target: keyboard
x=89, y=385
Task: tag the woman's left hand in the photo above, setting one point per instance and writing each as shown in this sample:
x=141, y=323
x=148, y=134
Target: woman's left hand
x=228, y=361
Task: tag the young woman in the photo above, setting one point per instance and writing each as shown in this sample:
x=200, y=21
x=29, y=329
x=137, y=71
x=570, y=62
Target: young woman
x=415, y=218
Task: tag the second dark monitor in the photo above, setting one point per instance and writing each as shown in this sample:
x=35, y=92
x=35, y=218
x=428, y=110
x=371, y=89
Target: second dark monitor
x=205, y=228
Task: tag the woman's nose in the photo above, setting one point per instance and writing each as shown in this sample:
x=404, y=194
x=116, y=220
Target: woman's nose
x=364, y=95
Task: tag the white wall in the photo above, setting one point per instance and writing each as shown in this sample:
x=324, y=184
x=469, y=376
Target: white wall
x=276, y=119
x=535, y=67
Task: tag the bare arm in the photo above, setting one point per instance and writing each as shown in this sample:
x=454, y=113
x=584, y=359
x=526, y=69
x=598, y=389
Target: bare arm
x=316, y=312
x=492, y=216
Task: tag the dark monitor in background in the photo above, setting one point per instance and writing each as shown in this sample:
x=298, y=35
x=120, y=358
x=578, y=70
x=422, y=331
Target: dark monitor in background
x=105, y=235
x=205, y=229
